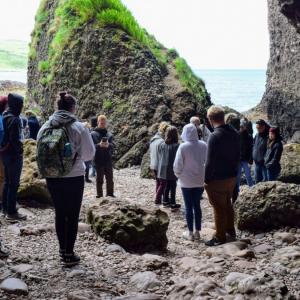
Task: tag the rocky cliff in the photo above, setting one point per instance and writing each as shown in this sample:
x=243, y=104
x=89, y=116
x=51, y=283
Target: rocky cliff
x=291, y=9
x=96, y=50
x=281, y=100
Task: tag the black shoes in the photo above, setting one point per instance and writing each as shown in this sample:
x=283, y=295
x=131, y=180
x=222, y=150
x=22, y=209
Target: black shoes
x=4, y=253
x=69, y=260
x=166, y=203
x=214, y=242
x=174, y=207
x=16, y=217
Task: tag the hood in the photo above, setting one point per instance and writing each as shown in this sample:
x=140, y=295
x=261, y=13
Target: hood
x=156, y=137
x=189, y=133
x=15, y=104
x=62, y=118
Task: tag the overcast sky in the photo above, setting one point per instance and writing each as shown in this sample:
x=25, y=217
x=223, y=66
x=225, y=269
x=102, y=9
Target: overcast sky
x=208, y=33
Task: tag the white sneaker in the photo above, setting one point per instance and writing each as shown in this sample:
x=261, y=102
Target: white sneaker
x=197, y=236
x=187, y=235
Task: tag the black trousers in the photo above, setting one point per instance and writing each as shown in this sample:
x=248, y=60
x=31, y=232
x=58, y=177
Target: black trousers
x=170, y=190
x=67, y=194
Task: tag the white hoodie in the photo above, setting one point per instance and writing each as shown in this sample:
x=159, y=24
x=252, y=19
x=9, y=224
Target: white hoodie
x=189, y=165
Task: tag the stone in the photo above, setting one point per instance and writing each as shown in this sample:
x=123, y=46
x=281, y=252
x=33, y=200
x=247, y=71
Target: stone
x=139, y=297
x=83, y=227
x=291, y=9
x=227, y=250
x=263, y=248
x=134, y=228
x=268, y=205
x=115, y=248
x=154, y=262
x=285, y=237
x=288, y=257
x=22, y=268
x=14, y=286
x=144, y=280
x=290, y=164
x=75, y=273
x=36, y=229
x=82, y=295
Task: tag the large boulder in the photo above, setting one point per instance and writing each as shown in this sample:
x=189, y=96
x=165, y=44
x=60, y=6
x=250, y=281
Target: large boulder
x=290, y=163
x=134, y=228
x=268, y=205
x=97, y=50
x=291, y=9
x=32, y=186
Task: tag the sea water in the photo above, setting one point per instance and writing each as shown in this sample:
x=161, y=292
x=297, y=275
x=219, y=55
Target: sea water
x=20, y=76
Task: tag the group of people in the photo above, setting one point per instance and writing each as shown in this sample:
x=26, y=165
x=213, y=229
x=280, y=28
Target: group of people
x=211, y=157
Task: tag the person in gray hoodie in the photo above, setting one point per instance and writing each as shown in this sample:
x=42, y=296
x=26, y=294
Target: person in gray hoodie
x=67, y=192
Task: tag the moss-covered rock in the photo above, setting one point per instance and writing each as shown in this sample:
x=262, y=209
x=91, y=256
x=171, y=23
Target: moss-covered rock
x=113, y=66
x=32, y=186
x=268, y=205
x=134, y=228
x=290, y=164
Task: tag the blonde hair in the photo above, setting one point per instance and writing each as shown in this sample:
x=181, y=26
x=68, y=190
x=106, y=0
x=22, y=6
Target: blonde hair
x=29, y=113
x=216, y=113
x=163, y=126
x=195, y=121
x=101, y=118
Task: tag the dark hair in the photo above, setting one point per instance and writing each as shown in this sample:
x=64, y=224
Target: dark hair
x=261, y=122
x=94, y=122
x=3, y=103
x=171, y=136
x=65, y=101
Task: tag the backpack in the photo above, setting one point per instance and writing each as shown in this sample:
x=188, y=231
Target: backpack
x=54, y=152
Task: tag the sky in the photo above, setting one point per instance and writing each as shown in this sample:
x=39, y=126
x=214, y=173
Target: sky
x=209, y=34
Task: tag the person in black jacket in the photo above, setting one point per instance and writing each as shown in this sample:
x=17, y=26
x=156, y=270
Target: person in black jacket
x=103, y=158
x=273, y=154
x=259, y=150
x=12, y=156
x=33, y=124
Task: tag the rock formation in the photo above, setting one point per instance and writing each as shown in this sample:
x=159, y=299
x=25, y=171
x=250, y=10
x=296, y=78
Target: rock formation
x=113, y=66
x=281, y=100
x=291, y=9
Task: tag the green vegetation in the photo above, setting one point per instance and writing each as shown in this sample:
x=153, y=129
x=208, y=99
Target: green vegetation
x=107, y=104
x=13, y=55
x=44, y=66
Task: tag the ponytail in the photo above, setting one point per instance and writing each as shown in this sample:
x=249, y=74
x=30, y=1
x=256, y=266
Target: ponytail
x=65, y=101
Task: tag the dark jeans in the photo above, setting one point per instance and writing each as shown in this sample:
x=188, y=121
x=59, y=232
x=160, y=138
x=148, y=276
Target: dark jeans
x=193, y=213
x=260, y=172
x=87, y=168
x=67, y=194
x=273, y=174
x=170, y=189
x=160, y=189
x=106, y=172
x=13, y=165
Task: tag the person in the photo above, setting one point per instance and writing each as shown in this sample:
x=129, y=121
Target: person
x=67, y=191
x=93, y=122
x=103, y=141
x=189, y=168
x=223, y=157
x=273, y=154
x=206, y=131
x=33, y=124
x=12, y=156
x=165, y=174
x=3, y=107
x=259, y=150
x=246, y=154
x=154, y=145
x=203, y=131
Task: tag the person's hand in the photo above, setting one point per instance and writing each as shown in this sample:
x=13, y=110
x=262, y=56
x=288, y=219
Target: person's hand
x=250, y=162
x=104, y=144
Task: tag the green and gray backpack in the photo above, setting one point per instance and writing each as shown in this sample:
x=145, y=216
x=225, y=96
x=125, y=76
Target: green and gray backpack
x=54, y=153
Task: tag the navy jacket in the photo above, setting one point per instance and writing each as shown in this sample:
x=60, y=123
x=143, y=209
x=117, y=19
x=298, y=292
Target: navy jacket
x=260, y=147
x=273, y=155
x=34, y=127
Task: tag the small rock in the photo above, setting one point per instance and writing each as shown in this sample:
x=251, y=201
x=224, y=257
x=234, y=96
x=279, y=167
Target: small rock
x=76, y=272
x=285, y=237
x=139, y=297
x=145, y=280
x=82, y=295
x=22, y=268
x=15, y=229
x=115, y=248
x=14, y=286
x=154, y=262
x=246, y=253
x=83, y=227
x=263, y=248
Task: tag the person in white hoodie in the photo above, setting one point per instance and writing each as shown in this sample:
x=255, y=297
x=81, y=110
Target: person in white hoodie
x=189, y=167
x=67, y=191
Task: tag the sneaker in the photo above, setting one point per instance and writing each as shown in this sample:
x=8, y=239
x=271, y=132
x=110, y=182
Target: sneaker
x=197, y=235
x=62, y=253
x=230, y=238
x=98, y=196
x=16, y=217
x=214, y=242
x=175, y=207
x=166, y=204
x=112, y=196
x=70, y=260
x=4, y=253
x=188, y=236
x=87, y=180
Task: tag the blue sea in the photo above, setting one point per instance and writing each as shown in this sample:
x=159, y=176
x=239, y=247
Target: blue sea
x=238, y=89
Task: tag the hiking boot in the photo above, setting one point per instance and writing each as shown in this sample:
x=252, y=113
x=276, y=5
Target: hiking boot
x=230, y=238
x=4, y=253
x=62, y=253
x=70, y=260
x=175, y=207
x=16, y=217
x=187, y=235
x=87, y=180
x=214, y=242
x=197, y=235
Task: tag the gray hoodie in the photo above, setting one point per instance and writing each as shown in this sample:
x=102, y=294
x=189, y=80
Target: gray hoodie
x=79, y=136
x=154, y=155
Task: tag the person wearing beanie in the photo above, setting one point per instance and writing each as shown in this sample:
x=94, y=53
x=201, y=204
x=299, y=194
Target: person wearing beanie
x=273, y=154
x=12, y=156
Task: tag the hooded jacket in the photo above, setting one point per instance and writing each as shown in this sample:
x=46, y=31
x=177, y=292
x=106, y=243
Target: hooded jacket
x=34, y=127
x=103, y=157
x=80, y=139
x=246, y=146
x=154, y=144
x=223, y=154
x=273, y=155
x=260, y=146
x=12, y=127
x=189, y=164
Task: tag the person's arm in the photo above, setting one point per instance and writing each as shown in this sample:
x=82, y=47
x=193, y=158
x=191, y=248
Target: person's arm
x=178, y=162
x=87, y=147
x=277, y=155
x=211, y=158
x=14, y=133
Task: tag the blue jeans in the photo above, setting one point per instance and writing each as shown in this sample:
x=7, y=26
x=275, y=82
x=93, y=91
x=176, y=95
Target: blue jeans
x=193, y=213
x=13, y=165
x=260, y=172
x=273, y=174
x=244, y=166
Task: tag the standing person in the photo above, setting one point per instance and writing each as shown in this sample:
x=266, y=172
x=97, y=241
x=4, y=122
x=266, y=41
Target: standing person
x=223, y=157
x=246, y=154
x=196, y=121
x=205, y=130
x=189, y=168
x=273, y=154
x=259, y=150
x=93, y=121
x=165, y=174
x=103, y=140
x=65, y=181
x=33, y=124
x=154, y=145
x=12, y=156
